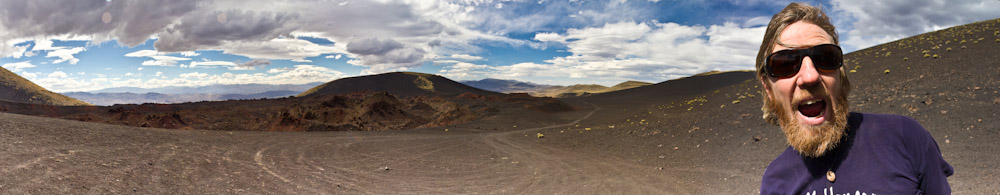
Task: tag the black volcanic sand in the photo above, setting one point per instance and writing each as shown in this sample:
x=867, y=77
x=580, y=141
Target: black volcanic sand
x=707, y=139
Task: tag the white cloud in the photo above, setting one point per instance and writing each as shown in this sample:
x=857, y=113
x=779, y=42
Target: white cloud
x=58, y=75
x=142, y=53
x=865, y=24
x=278, y=49
x=278, y=70
x=17, y=52
x=14, y=51
x=211, y=63
x=44, y=44
x=65, y=55
x=139, y=69
x=158, y=58
x=648, y=51
x=464, y=70
x=28, y=75
x=299, y=74
x=18, y=66
x=189, y=53
x=336, y=57
x=194, y=75
x=466, y=57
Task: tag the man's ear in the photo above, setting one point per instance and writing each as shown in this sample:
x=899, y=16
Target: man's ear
x=767, y=88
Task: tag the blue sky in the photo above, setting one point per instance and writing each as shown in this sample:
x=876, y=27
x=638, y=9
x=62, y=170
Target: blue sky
x=88, y=45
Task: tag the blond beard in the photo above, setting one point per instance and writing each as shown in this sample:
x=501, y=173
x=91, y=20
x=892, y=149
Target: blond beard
x=813, y=141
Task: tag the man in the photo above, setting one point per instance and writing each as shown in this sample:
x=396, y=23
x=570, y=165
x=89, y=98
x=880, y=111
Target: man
x=834, y=151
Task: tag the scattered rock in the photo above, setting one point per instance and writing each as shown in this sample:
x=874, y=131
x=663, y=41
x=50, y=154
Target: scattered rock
x=756, y=138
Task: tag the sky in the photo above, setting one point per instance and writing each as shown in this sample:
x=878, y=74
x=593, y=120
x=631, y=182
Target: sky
x=85, y=45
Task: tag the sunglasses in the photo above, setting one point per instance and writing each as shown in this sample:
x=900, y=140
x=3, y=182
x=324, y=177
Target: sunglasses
x=787, y=62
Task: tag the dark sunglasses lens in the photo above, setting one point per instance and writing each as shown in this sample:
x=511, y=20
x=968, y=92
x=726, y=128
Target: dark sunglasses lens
x=783, y=63
x=827, y=57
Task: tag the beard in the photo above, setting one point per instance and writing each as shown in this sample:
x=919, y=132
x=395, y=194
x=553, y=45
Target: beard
x=813, y=141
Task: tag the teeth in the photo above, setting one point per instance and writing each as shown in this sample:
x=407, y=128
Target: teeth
x=810, y=102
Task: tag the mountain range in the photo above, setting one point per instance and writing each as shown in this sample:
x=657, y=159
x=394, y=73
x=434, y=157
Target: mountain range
x=542, y=90
x=168, y=95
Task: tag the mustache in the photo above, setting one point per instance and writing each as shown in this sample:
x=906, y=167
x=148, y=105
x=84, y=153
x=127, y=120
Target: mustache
x=814, y=92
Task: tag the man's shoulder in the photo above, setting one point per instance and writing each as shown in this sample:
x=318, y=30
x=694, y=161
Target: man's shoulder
x=891, y=130
x=881, y=118
x=884, y=123
x=783, y=170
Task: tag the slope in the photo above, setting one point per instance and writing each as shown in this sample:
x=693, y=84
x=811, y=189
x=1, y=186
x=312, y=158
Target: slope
x=15, y=88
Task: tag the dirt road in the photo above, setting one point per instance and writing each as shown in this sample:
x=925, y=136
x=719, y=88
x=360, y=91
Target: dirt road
x=42, y=155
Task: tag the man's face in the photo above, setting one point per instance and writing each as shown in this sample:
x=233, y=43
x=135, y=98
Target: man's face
x=810, y=105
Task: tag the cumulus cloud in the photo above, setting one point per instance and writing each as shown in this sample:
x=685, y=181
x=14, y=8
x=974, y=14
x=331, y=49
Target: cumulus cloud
x=159, y=59
x=132, y=22
x=383, y=55
x=65, y=55
x=278, y=70
x=189, y=53
x=18, y=66
x=15, y=51
x=336, y=57
x=298, y=74
x=267, y=31
x=211, y=63
x=195, y=32
x=278, y=49
x=865, y=24
x=28, y=75
x=648, y=51
x=253, y=64
x=465, y=70
x=466, y=57
x=58, y=75
x=44, y=44
x=250, y=65
x=194, y=75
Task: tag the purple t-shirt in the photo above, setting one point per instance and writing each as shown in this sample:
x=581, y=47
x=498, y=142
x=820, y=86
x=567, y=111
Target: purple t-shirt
x=881, y=154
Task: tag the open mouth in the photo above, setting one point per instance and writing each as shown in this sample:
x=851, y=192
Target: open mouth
x=812, y=108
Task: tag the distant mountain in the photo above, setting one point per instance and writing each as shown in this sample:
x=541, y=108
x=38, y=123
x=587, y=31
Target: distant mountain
x=569, y=91
x=212, y=89
x=507, y=86
x=106, y=99
x=585, y=90
x=15, y=88
x=397, y=83
x=624, y=85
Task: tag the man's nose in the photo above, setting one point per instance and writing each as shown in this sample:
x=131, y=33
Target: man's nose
x=808, y=74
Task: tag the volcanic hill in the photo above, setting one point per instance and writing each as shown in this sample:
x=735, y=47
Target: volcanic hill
x=396, y=83
x=15, y=88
